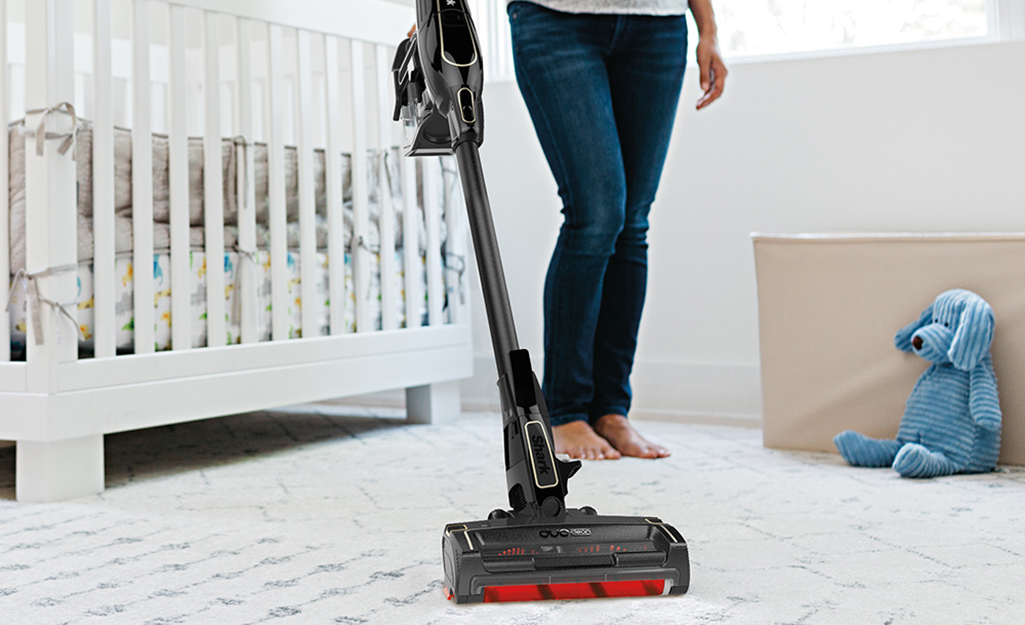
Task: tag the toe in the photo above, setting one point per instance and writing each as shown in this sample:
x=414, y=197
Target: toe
x=610, y=452
x=649, y=452
x=659, y=451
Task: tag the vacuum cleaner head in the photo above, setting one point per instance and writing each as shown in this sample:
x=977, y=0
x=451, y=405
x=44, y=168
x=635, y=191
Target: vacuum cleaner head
x=578, y=555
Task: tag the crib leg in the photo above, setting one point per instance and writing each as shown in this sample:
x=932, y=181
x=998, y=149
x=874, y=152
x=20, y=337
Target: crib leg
x=58, y=470
x=432, y=401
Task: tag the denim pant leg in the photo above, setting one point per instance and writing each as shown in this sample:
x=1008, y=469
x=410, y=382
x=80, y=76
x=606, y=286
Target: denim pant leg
x=645, y=74
x=565, y=75
x=561, y=72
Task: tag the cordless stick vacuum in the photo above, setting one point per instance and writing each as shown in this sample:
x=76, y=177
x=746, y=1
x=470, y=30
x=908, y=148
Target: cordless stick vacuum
x=539, y=549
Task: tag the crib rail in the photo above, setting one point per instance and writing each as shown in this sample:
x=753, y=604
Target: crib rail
x=287, y=105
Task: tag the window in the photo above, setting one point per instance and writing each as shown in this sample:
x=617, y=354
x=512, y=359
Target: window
x=758, y=27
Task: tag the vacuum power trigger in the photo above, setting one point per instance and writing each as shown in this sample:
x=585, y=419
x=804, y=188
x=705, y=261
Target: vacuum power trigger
x=523, y=378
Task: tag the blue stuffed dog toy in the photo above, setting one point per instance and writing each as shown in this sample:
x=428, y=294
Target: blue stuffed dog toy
x=952, y=420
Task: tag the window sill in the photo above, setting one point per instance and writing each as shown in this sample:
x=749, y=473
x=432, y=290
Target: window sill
x=863, y=50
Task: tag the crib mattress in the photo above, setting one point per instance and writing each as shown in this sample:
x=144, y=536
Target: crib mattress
x=124, y=301
x=232, y=158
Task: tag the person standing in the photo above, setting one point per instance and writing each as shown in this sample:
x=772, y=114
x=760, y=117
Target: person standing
x=601, y=80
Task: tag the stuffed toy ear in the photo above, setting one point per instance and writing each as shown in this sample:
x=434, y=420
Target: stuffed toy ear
x=974, y=335
x=903, y=338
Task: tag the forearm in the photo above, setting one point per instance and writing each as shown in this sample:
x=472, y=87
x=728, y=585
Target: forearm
x=709, y=58
x=704, y=17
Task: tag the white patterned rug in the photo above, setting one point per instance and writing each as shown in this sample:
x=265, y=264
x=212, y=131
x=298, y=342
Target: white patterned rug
x=310, y=518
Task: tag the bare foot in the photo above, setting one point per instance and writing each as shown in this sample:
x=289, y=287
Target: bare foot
x=577, y=439
x=618, y=431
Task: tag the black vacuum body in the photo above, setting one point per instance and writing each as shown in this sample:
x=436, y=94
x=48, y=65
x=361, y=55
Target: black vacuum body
x=538, y=548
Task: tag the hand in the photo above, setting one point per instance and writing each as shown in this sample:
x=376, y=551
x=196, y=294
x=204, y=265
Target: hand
x=713, y=70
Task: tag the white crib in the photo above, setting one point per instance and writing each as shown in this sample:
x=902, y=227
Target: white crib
x=303, y=95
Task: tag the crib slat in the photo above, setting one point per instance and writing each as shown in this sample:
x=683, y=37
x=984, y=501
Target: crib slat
x=276, y=187
x=142, y=182
x=5, y=236
x=178, y=175
x=103, y=185
x=50, y=211
x=307, y=199
x=361, y=256
x=39, y=184
x=333, y=173
x=432, y=214
x=455, y=244
x=464, y=249
x=389, y=296
x=411, y=247
x=247, y=265
x=213, y=184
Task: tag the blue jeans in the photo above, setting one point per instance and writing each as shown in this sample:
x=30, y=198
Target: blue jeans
x=602, y=92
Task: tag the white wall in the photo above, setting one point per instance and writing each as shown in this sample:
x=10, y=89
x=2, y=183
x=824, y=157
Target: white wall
x=927, y=140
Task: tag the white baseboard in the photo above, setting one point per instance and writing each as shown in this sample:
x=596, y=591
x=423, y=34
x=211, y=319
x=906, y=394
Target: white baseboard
x=697, y=391
x=680, y=392
x=684, y=392
x=698, y=418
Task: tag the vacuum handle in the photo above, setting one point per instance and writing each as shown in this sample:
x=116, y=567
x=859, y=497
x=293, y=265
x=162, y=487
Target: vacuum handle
x=449, y=55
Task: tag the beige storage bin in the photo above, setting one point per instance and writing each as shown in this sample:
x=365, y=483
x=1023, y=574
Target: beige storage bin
x=829, y=306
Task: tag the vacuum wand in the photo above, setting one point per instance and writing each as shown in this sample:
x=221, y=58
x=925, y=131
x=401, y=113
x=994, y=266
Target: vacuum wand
x=489, y=262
